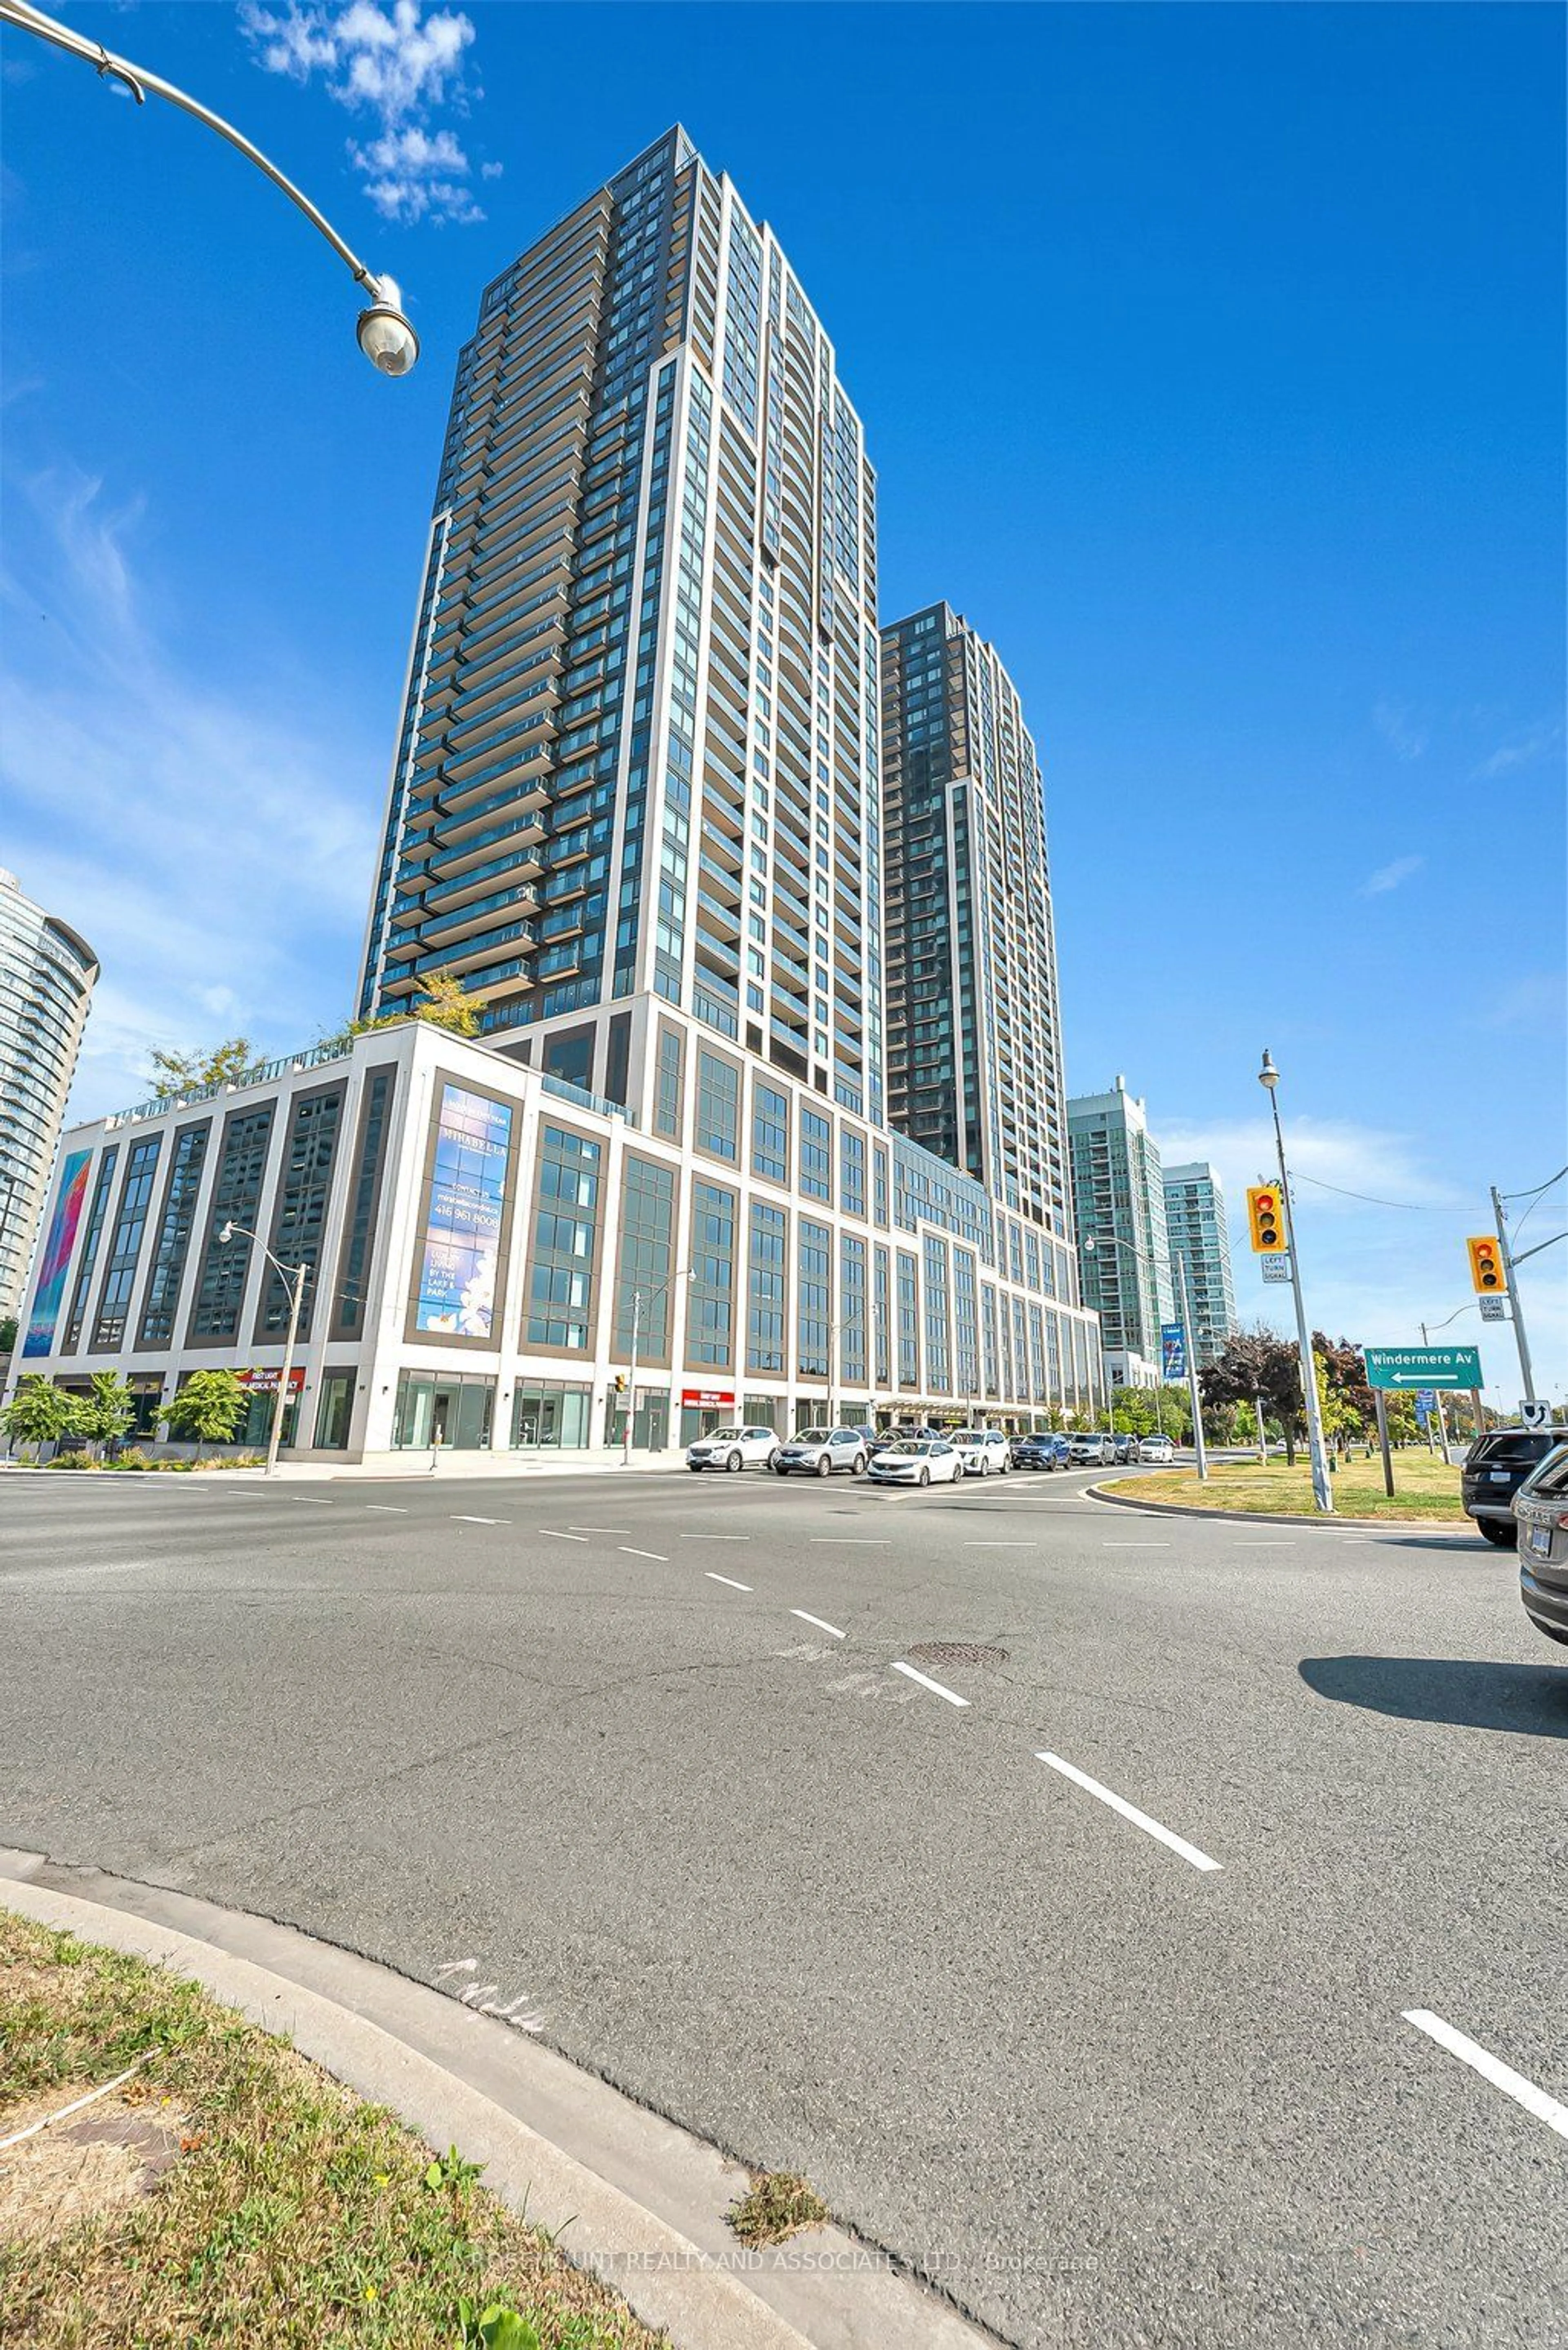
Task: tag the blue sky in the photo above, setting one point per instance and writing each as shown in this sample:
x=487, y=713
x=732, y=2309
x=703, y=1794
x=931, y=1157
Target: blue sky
x=1211, y=360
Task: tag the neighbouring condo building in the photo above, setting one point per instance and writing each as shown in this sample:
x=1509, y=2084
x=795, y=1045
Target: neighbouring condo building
x=974, y=1068
x=1197, y=1232
x=1124, y=1252
x=47, y=975
x=637, y=807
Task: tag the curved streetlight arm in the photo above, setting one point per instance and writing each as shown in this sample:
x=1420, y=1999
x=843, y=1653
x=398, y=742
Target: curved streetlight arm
x=139, y=81
x=243, y=1231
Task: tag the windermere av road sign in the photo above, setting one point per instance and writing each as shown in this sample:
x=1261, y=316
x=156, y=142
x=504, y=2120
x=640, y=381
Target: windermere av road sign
x=1423, y=1367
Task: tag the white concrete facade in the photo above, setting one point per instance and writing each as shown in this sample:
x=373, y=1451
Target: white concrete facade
x=332, y=1158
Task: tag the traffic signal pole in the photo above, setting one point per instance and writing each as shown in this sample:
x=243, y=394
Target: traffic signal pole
x=1525, y=1373
x=1322, y=1484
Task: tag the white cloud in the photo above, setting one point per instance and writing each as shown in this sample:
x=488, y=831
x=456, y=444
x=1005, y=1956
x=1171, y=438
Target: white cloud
x=1389, y=877
x=1367, y=1161
x=1521, y=750
x=1394, y=721
x=1534, y=1003
x=399, y=63
x=212, y=852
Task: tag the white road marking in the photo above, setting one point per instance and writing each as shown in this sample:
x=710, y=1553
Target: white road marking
x=818, y=1622
x=388, y=1509
x=685, y=1537
x=460, y=1518
x=1491, y=2068
x=729, y=1579
x=1134, y=1545
x=1129, y=1812
x=1265, y=1546
x=1001, y=1546
x=935, y=1687
x=601, y=1530
x=632, y=1551
x=558, y=1536
x=866, y=1541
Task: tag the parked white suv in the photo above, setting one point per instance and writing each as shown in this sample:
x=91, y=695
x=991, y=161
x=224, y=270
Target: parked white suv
x=734, y=1448
x=1092, y=1449
x=986, y=1451
x=818, y=1452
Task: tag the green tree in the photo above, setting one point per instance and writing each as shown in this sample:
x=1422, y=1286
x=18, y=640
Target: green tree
x=447, y=1005
x=7, y=1334
x=106, y=1410
x=341, y=1038
x=1340, y=1419
x=177, y=1075
x=39, y=1413
x=1404, y=1428
x=207, y=1408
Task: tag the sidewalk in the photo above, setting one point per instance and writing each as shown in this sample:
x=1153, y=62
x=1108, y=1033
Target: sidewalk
x=590, y=1462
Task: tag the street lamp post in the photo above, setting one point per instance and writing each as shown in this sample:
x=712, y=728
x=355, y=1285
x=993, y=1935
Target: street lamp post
x=1193, y=1391
x=1322, y=1489
x=1092, y=1242
x=294, y=1285
x=385, y=338
x=686, y=1273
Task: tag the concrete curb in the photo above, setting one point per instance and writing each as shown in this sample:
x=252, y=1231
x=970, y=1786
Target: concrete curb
x=645, y=2202
x=1277, y=1518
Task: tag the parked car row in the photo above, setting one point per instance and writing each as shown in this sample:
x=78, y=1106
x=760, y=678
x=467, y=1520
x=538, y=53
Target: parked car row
x=946, y=1454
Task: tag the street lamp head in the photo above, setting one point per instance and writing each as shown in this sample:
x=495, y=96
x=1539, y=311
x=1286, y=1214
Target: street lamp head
x=226, y=1234
x=385, y=338
x=1268, y=1075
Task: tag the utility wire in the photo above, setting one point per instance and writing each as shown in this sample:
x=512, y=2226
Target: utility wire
x=1538, y=1187
x=1413, y=1207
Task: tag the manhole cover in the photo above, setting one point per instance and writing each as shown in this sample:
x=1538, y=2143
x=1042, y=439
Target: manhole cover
x=956, y=1652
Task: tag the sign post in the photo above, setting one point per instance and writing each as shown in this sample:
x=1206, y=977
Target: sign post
x=1382, y=1441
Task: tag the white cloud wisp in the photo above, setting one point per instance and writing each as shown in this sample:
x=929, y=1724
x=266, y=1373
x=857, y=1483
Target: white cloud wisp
x=398, y=64
x=209, y=848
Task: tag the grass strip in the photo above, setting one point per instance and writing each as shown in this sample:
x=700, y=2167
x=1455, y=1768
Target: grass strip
x=1426, y=1490
x=230, y=2191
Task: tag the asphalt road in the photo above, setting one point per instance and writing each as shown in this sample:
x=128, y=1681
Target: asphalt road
x=634, y=1761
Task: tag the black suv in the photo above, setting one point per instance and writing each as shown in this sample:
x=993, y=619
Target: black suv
x=1496, y=1466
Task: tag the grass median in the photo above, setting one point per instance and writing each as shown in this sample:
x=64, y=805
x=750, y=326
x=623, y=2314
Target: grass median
x=1426, y=1490
x=229, y=2191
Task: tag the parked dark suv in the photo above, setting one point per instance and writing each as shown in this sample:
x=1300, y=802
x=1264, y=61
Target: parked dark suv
x=1496, y=1466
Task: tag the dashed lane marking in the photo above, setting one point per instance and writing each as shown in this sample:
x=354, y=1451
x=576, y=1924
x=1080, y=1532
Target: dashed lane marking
x=556, y=1535
x=462, y=1518
x=729, y=1579
x=1129, y=1812
x=818, y=1622
x=387, y=1508
x=936, y=1688
x=1491, y=2068
x=632, y=1551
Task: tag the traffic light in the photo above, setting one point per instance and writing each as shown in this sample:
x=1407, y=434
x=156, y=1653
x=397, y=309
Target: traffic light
x=620, y=1383
x=1486, y=1266
x=1266, y=1216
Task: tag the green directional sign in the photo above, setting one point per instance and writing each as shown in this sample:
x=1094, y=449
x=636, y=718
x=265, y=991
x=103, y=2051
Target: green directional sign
x=1423, y=1367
